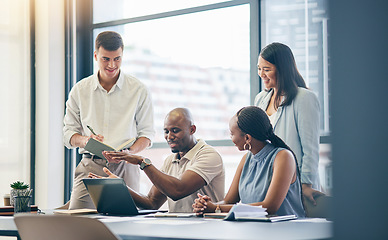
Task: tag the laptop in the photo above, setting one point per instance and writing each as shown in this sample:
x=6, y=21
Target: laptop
x=111, y=197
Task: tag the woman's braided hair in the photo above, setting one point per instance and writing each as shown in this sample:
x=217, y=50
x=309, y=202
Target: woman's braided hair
x=255, y=122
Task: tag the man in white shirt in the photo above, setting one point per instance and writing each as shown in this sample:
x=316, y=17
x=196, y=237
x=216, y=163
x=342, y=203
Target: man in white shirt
x=194, y=167
x=117, y=107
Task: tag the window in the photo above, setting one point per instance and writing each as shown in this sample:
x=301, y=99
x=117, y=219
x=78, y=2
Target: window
x=197, y=58
x=104, y=11
x=203, y=55
x=15, y=127
x=302, y=25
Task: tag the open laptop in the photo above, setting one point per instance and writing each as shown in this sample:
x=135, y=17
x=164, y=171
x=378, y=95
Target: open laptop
x=111, y=197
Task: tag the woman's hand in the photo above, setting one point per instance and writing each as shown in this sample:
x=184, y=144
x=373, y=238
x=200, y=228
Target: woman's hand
x=123, y=155
x=109, y=173
x=310, y=194
x=203, y=204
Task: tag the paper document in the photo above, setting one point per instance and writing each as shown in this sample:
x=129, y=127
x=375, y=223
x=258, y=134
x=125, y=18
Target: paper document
x=75, y=211
x=245, y=210
x=267, y=218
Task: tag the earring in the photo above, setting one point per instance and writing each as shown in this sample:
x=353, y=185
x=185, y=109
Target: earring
x=249, y=146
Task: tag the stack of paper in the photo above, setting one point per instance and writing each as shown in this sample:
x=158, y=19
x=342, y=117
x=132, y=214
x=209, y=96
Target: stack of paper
x=245, y=212
x=241, y=210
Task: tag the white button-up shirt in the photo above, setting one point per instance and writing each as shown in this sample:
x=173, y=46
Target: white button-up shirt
x=122, y=113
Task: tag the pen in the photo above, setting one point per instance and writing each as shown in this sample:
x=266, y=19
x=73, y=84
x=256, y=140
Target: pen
x=91, y=129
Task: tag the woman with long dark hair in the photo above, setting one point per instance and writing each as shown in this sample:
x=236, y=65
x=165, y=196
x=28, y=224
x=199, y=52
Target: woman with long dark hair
x=267, y=175
x=293, y=111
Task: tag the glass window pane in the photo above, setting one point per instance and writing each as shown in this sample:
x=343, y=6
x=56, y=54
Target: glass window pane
x=199, y=61
x=285, y=21
x=104, y=11
x=302, y=25
x=15, y=94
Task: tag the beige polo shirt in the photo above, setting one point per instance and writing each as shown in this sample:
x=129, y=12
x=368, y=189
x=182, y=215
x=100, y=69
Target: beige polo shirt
x=204, y=160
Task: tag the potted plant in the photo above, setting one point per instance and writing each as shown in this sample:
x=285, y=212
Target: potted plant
x=18, y=188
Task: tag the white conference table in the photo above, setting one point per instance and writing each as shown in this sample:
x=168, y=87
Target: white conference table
x=142, y=228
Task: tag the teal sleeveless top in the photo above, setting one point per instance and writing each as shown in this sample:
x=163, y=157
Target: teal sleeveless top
x=256, y=177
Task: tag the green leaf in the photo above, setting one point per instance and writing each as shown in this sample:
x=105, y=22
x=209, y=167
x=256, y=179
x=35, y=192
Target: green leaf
x=19, y=185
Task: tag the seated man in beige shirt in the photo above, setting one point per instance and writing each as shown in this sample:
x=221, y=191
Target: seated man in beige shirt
x=194, y=167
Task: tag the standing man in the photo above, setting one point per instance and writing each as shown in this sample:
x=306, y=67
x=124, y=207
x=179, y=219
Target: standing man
x=117, y=107
x=194, y=167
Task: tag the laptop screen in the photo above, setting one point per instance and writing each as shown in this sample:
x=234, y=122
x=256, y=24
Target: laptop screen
x=111, y=196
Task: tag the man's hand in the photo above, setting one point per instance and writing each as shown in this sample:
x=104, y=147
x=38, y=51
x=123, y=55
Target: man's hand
x=124, y=155
x=109, y=173
x=97, y=137
x=310, y=194
x=77, y=140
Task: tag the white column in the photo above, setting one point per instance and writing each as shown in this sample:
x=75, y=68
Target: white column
x=50, y=76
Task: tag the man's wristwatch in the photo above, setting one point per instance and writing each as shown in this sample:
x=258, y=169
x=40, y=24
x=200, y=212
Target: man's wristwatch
x=145, y=163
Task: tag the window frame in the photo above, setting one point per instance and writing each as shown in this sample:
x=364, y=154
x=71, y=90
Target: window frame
x=79, y=22
x=32, y=100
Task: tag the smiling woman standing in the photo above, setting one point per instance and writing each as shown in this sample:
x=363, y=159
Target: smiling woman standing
x=293, y=111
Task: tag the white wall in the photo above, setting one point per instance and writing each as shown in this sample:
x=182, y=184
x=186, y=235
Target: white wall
x=50, y=78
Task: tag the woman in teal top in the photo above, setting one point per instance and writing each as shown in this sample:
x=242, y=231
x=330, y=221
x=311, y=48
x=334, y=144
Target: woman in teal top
x=267, y=175
x=256, y=178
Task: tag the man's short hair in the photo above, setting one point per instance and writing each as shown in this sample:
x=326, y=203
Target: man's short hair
x=109, y=40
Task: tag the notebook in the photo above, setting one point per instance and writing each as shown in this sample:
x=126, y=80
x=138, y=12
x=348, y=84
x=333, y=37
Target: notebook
x=111, y=197
x=96, y=147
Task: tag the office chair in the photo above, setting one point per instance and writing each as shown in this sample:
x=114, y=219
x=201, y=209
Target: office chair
x=61, y=227
x=321, y=210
